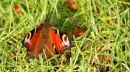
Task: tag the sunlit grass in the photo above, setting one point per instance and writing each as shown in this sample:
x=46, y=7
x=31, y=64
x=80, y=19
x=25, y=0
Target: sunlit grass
x=103, y=47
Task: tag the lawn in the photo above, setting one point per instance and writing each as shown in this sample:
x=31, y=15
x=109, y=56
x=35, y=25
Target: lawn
x=103, y=47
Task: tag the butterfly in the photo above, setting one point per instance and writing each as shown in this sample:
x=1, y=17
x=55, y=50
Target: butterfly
x=45, y=39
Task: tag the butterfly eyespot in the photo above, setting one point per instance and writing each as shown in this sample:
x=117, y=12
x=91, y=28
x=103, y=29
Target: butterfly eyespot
x=65, y=40
x=27, y=38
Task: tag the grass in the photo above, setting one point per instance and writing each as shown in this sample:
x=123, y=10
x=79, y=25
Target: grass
x=104, y=46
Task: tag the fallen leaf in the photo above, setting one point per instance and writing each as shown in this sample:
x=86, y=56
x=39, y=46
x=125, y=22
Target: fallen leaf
x=16, y=9
x=77, y=31
x=72, y=4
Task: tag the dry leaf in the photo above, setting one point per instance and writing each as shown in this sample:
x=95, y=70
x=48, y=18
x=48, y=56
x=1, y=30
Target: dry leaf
x=72, y=4
x=16, y=9
x=77, y=31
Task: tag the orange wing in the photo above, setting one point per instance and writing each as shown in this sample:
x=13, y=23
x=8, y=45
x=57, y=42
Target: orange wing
x=33, y=42
x=57, y=40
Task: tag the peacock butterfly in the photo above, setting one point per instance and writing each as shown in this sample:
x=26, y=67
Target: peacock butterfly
x=45, y=39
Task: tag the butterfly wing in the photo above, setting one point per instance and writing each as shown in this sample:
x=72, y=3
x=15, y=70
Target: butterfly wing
x=56, y=39
x=60, y=40
x=33, y=41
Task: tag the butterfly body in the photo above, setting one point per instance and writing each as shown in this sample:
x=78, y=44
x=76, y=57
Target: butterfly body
x=45, y=39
